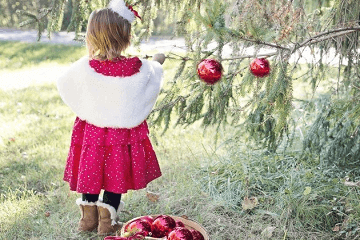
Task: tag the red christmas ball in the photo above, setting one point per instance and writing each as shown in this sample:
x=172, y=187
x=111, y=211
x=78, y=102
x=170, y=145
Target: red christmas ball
x=196, y=235
x=210, y=71
x=179, y=223
x=149, y=219
x=162, y=225
x=143, y=226
x=260, y=67
x=180, y=233
x=115, y=238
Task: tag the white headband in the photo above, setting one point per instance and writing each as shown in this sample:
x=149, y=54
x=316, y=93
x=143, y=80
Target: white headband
x=119, y=7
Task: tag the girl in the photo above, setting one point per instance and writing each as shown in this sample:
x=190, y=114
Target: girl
x=111, y=96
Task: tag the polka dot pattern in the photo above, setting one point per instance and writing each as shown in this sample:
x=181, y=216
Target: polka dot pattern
x=119, y=67
x=113, y=159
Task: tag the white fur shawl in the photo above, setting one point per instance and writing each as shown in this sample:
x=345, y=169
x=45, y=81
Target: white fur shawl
x=106, y=101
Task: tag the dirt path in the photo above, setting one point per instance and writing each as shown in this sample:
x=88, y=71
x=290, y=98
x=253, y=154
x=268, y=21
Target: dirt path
x=164, y=44
x=45, y=74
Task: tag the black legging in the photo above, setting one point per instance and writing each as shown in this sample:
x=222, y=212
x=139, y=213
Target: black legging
x=113, y=199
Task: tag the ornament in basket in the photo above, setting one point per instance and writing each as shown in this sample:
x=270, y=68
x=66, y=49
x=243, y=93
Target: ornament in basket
x=161, y=227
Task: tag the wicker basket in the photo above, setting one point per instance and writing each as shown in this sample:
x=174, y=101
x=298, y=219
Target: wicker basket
x=188, y=224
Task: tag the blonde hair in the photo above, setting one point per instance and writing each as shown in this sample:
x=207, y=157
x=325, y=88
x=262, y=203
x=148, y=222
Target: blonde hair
x=108, y=34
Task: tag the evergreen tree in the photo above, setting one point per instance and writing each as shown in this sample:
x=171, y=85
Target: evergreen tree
x=281, y=31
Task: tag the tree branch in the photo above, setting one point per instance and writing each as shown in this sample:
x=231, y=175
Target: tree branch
x=316, y=38
x=259, y=42
x=250, y=56
x=171, y=104
x=312, y=40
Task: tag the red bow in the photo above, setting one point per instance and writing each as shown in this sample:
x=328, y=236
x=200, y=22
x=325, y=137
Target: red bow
x=135, y=12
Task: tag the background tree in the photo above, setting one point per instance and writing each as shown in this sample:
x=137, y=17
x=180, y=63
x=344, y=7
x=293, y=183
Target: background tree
x=280, y=30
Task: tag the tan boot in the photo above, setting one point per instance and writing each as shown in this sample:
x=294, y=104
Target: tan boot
x=108, y=218
x=89, y=215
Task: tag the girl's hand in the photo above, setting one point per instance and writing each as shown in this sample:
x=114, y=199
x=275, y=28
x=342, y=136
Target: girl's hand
x=159, y=57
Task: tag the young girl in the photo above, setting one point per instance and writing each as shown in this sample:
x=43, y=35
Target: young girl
x=111, y=96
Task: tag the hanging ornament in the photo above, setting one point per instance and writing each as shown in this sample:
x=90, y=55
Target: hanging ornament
x=210, y=71
x=260, y=67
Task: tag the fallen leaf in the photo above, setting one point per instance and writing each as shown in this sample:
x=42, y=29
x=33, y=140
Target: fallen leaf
x=268, y=232
x=336, y=228
x=249, y=203
x=47, y=214
x=349, y=210
x=184, y=216
x=307, y=191
x=352, y=184
x=153, y=197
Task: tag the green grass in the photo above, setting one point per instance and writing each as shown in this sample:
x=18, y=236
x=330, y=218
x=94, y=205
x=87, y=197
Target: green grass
x=207, y=182
x=17, y=55
x=34, y=150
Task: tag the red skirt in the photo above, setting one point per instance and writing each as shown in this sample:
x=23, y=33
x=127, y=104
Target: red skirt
x=112, y=159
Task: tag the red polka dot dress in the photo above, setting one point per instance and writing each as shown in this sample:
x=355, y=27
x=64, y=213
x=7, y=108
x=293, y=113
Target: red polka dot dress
x=112, y=159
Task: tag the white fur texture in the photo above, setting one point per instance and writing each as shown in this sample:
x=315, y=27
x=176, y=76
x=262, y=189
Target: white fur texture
x=113, y=212
x=106, y=101
x=79, y=202
x=119, y=7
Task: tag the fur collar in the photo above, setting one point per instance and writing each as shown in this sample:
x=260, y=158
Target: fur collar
x=106, y=101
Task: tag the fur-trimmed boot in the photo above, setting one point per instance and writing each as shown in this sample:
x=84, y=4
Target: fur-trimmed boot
x=109, y=221
x=89, y=215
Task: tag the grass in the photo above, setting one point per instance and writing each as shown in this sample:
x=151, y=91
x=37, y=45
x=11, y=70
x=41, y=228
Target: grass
x=17, y=55
x=208, y=183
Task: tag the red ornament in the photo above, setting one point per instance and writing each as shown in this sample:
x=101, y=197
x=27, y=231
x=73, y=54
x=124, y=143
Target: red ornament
x=210, y=71
x=143, y=226
x=149, y=219
x=179, y=223
x=196, y=235
x=115, y=238
x=162, y=225
x=180, y=233
x=260, y=67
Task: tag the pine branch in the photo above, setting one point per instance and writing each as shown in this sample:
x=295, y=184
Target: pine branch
x=312, y=40
x=33, y=18
x=26, y=13
x=250, y=56
x=353, y=85
x=181, y=58
x=27, y=22
x=315, y=39
x=259, y=42
x=171, y=104
x=136, y=3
